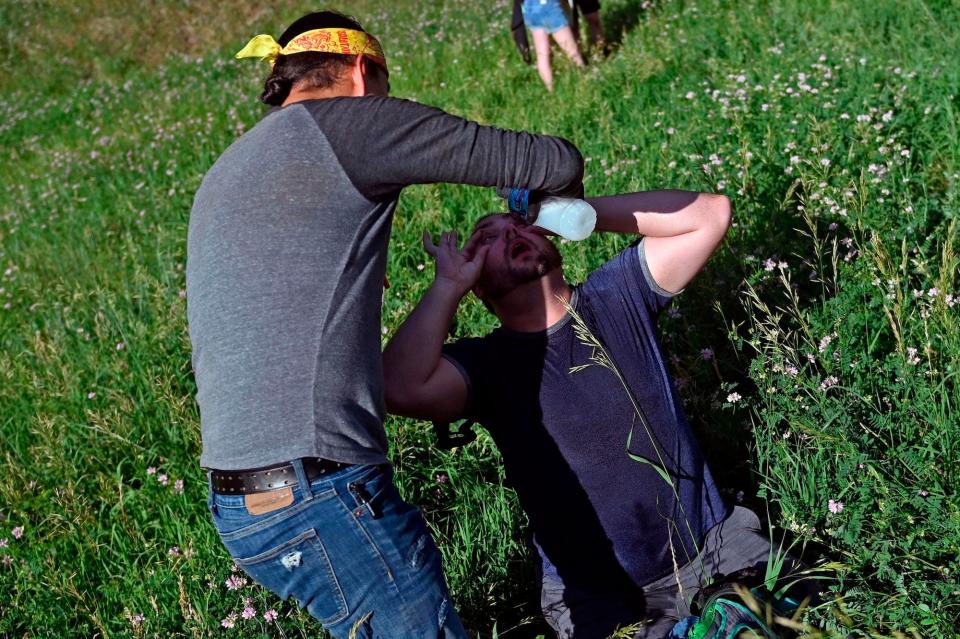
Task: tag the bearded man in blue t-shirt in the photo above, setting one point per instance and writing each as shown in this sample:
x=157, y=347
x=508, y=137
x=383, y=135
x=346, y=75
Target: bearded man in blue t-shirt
x=618, y=544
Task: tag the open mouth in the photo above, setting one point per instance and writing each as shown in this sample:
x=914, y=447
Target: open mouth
x=518, y=247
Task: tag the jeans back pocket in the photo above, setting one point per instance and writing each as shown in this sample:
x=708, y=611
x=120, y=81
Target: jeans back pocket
x=300, y=568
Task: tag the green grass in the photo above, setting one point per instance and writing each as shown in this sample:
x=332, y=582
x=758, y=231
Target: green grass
x=830, y=310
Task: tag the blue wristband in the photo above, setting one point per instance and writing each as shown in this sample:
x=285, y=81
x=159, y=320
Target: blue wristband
x=519, y=200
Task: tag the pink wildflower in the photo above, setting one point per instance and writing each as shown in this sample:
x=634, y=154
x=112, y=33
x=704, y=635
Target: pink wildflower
x=270, y=615
x=163, y=479
x=836, y=507
x=825, y=342
x=248, y=613
x=4, y=542
x=136, y=620
x=152, y=470
x=229, y=621
x=178, y=486
x=733, y=398
x=235, y=582
x=706, y=354
x=17, y=532
x=174, y=551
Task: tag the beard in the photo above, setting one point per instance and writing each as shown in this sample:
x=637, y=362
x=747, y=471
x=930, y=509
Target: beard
x=497, y=282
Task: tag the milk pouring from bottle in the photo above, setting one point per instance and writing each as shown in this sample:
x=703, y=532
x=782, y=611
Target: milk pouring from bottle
x=569, y=218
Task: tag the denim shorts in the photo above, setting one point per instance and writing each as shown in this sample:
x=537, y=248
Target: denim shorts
x=349, y=550
x=547, y=15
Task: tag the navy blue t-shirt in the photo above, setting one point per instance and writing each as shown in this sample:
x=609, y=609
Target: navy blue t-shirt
x=599, y=518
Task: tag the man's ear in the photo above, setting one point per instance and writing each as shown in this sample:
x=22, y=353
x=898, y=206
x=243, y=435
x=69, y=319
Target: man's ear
x=358, y=72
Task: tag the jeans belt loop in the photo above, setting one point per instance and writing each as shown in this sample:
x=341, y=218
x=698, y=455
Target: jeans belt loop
x=302, y=479
x=211, y=504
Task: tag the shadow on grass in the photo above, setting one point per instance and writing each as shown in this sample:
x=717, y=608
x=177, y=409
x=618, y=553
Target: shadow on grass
x=620, y=18
x=776, y=230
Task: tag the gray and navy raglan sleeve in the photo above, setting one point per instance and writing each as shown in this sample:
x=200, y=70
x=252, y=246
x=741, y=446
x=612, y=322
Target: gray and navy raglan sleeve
x=626, y=282
x=471, y=357
x=385, y=144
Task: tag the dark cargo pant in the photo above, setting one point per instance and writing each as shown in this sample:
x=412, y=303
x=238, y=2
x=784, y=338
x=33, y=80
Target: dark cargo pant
x=732, y=545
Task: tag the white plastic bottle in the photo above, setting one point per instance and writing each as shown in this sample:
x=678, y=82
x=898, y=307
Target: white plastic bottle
x=569, y=218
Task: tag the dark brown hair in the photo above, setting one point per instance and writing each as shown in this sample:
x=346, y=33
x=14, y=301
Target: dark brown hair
x=317, y=70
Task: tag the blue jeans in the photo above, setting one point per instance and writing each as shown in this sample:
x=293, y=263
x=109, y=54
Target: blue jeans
x=360, y=560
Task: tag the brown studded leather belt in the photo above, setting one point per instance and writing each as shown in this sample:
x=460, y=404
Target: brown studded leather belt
x=257, y=480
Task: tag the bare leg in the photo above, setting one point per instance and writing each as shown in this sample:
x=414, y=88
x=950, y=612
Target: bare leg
x=541, y=43
x=568, y=43
x=594, y=29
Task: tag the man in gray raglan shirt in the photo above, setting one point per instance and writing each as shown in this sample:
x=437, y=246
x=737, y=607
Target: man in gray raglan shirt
x=286, y=259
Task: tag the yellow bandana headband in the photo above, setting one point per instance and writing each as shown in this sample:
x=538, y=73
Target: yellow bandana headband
x=343, y=41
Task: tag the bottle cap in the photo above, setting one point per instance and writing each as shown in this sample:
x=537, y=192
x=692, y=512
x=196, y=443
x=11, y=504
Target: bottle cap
x=519, y=200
